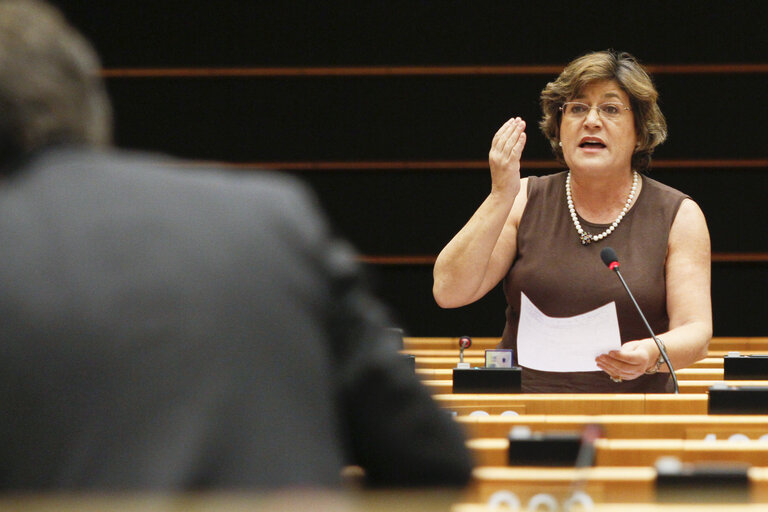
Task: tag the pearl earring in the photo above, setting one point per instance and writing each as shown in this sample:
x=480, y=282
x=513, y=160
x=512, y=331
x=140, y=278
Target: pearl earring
x=560, y=143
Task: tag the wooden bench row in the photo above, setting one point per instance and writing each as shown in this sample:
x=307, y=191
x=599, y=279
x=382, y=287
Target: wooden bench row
x=479, y=355
x=444, y=386
x=720, y=344
x=640, y=452
x=449, y=362
x=634, y=507
x=715, y=374
x=580, y=404
x=638, y=430
x=604, y=484
x=664, y=425
x=623, y=426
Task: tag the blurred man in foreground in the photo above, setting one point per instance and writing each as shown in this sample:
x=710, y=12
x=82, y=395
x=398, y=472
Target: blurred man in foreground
x=173, y=328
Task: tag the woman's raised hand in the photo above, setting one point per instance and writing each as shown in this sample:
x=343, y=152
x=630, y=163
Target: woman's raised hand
x=504, y=157
x=480, y=254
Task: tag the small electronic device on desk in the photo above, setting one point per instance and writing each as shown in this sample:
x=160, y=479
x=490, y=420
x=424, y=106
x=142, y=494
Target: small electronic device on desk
x=701, y=482
x=745, y=367
x=497, y=376
x=725, y=399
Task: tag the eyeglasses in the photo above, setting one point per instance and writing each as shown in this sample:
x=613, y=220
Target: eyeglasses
x=577, y=110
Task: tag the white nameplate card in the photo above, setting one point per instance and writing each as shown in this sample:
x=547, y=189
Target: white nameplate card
x=498, y=358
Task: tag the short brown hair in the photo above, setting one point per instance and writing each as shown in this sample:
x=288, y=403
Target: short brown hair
x=650, y=125
x=51, y=90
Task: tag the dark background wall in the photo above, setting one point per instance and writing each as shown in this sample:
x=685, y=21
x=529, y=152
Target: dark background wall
x=387, y=110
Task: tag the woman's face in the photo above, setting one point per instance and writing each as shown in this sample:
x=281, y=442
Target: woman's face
x=598, y=141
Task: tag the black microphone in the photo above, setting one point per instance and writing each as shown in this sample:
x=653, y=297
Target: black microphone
x=608, y=255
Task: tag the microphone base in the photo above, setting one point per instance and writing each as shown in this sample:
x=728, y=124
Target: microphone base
x=551, y=449
x=738, y=399
x=752, y=367
x=487, y=380
x=704, y=483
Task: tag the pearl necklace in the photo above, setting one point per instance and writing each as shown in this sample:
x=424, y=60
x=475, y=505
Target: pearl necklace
x=587, y=238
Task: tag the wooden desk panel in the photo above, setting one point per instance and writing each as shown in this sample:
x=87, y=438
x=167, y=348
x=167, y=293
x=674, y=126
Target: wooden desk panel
x=579, y=403
x=702, y=386
x=443, y=343
x=739, y=343
x=622, y=426
x=684, y=374
x=709, y=362
x=445, y=386
x=603, y=484
x=638, y=507
x=449, y=362
x=640, y=452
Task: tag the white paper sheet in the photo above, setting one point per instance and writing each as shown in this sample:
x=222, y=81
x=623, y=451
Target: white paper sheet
x=565, y=344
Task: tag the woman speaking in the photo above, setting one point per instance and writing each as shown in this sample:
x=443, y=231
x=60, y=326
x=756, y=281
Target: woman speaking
x=542, y=237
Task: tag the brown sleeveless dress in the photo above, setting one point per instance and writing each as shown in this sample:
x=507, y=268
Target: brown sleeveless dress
x=564, y=278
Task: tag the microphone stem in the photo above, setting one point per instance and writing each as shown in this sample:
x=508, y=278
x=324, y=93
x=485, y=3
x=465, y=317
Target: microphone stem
x=653, y=336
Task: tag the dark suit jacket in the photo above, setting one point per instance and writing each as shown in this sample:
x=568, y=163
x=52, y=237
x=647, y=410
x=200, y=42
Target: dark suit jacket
x=166, y=326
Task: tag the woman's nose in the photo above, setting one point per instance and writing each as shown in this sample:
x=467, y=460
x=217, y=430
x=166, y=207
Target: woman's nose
x=593, y=117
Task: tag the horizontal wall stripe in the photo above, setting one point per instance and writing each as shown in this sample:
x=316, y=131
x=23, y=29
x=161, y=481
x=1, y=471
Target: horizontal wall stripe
x=407, y=118
x=754, y=163
x=718, y=257
x=710, y=163
x=658, y=69
x=740, y=257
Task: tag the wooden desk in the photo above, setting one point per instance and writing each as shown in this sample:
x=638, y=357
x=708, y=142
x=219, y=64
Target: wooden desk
x=291, y=499
x=721, y=344
x=639, y=452
x=443, y=353
x=446, y=363
x=444, y=386
x=479, y=354
x=638, y=507
x=545, y=403
x=684, y=374
x=446, y=343
x=622, y=426
x=603, y=484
